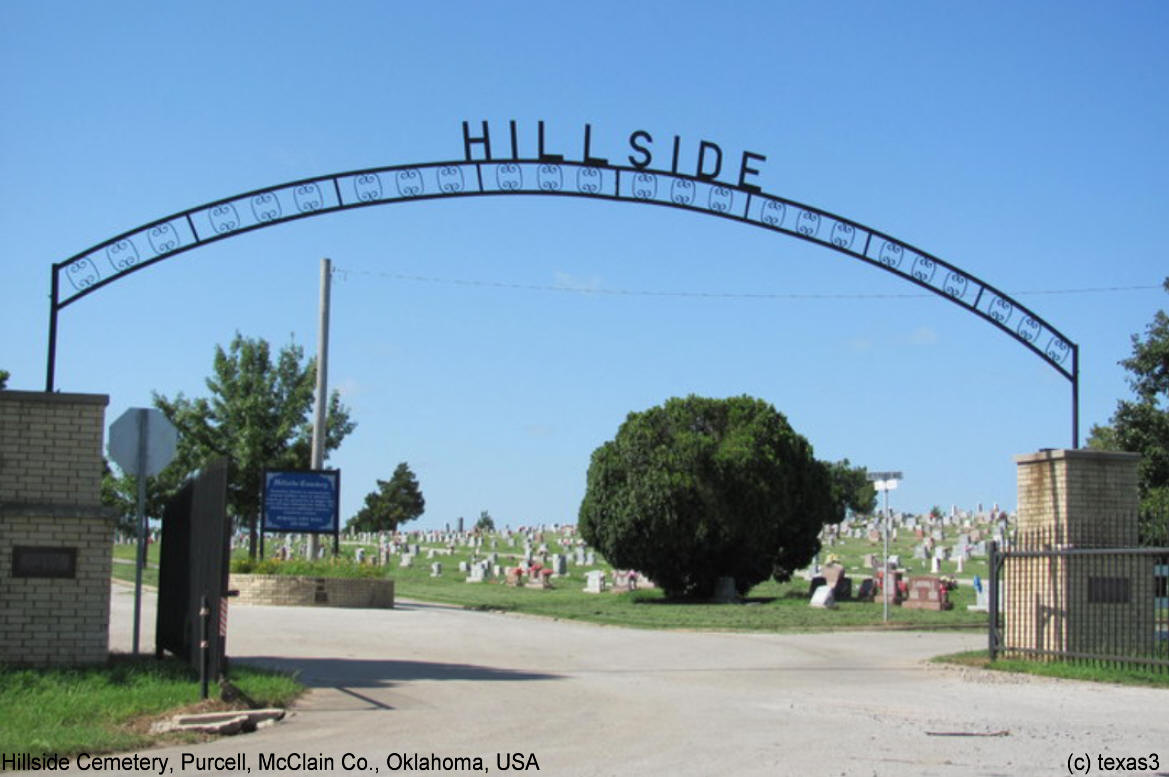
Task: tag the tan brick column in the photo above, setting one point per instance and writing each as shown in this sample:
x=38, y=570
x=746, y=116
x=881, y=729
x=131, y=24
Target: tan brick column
x=1080, y=604
x=55, y=537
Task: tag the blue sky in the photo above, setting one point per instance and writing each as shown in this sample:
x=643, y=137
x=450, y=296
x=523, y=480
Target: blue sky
x=1024, y=143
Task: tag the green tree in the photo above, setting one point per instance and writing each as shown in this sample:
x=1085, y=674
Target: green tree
x=4, y=376
x=851, y=488
x=698, y=489
x=120, y=492
x=394, y=502
x=1141, y=424
x=258, y=414
x=485, y=523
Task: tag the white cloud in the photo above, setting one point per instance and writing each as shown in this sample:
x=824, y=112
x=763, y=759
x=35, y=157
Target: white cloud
x=923, y=335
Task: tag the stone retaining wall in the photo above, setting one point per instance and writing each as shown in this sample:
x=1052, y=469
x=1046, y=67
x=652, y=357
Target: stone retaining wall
x=295, y=591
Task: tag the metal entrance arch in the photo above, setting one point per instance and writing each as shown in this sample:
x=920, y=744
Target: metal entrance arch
x=106, y=262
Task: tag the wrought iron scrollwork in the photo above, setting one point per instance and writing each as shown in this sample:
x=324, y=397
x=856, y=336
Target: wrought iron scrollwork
x=549, y=178
x=121, y=255
x=107, y=261
x=223, y=218
x=509, y=177
x=266, y=207
x=82, y=274
x=808, y=223
x=450, y=179
x=891, y=254
x=721, y=199
x=588, y=180
x=955, y=285
x=308, y=198
x=645, y=186
x=772, y=213
x=682, y=192
x=1028, y=329
x=1058, y=349
x=367, y=187
x=843, y=235
x=924, y=268
x=1001, y=310
x=163, y=238
x=409, y=183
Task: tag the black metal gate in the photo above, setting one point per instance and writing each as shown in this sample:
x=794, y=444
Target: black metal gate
x=193, y=570
x=1048, y=601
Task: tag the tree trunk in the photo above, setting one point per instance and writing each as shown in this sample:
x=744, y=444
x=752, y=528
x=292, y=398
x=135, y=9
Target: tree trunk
x=253, y=537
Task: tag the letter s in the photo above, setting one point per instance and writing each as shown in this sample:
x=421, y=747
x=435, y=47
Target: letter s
x=644, y=137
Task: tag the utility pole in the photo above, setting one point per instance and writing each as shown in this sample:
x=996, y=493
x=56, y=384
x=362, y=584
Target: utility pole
x=322, y=400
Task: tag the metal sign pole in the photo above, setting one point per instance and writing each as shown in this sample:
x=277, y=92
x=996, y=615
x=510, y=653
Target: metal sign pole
x=885, y=481
x=141, y=518
x=885, y=587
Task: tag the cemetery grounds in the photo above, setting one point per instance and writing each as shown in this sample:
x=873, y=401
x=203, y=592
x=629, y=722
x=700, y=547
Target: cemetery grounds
x=769, y=606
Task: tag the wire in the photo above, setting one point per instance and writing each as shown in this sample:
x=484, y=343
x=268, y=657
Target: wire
x=565, y=289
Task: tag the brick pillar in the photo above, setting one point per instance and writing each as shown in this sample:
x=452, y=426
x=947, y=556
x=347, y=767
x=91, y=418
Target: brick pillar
x=1084, y=498
x=56, y=540
x=1080, y=604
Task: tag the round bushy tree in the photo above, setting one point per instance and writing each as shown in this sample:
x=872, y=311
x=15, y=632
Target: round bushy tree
x=699, y=489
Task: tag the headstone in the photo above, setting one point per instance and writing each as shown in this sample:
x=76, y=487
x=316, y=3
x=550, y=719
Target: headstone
x=436, y=569
x=867, y=590
x=724, y=591
x=477, y=574
x=359, y=555
x=559, y=565
x=823, y=597
x=935, y=566
x=406, y=560
x=927, y=593
x=594, y=582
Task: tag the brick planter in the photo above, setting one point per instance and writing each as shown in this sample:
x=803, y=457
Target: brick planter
x=295, y=591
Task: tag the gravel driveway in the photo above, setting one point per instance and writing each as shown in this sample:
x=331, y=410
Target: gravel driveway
x=422, y=687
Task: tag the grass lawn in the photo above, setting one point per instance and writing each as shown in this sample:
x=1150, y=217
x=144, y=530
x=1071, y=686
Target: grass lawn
x=107, y=708
x=770, y=606
x=1100, y=672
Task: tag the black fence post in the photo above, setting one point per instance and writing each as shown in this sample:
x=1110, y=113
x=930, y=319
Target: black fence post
x=992, y=595
x=204, y=615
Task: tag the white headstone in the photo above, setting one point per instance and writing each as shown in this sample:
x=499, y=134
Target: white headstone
x=823, y=597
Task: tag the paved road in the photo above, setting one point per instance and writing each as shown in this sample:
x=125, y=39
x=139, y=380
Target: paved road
x=592, y=700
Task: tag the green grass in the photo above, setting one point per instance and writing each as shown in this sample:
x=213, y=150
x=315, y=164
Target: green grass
x=770, y=606
x=1087, y=671
x=99, y=709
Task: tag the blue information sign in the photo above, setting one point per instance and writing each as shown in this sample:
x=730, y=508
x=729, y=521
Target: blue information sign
x=302, y=501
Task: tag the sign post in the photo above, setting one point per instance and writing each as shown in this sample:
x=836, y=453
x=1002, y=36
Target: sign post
x=886, y=482
x=142, y=443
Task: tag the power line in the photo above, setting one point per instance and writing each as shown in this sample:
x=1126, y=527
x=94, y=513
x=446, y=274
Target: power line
x=566, y=289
